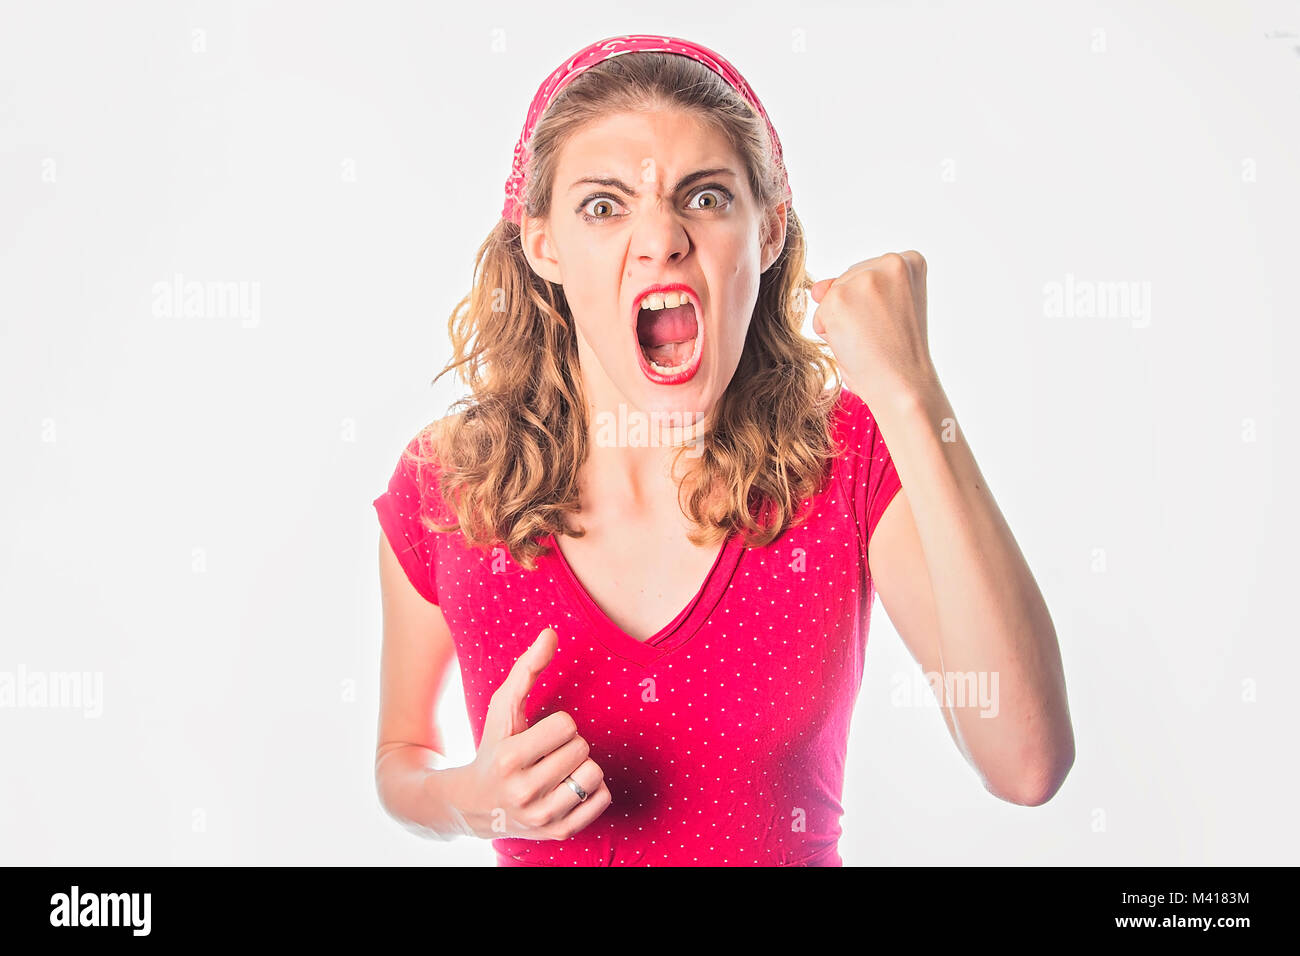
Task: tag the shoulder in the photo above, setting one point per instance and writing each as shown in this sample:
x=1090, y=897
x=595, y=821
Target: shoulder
x=423, y=446
x=852, y=424
x=421, y=466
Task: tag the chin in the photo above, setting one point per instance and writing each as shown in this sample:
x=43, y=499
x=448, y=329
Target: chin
x=684, y=409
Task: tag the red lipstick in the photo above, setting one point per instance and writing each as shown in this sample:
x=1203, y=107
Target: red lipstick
x=692, y=365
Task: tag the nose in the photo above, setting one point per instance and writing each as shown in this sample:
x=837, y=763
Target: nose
x=658, y=235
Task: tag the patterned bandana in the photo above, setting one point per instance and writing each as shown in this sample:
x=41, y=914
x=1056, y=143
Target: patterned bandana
x=603, y=50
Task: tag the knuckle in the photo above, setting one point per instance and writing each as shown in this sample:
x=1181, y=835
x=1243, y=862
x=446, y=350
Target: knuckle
x=501, y=763
x=516, y=794
x=564, y=829
x=875, y=280
x=532, y=817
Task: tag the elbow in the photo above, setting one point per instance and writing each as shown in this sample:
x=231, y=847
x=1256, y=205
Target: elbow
x=381, y=789
x=1039, y=786
x=386, y=790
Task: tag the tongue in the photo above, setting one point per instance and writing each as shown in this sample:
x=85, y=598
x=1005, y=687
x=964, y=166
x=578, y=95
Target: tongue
x=667, y=336
x=670, y=355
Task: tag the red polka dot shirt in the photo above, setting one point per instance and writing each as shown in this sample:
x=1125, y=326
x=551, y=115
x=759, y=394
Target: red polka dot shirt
x=723, y=736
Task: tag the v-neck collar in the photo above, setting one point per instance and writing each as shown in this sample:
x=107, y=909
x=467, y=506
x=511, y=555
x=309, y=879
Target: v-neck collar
x=672, y=635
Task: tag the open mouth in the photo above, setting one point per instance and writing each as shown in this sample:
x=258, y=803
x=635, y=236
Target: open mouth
x=670, y=337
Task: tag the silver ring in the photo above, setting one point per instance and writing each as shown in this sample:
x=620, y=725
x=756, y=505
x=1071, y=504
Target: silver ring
x=576, y=788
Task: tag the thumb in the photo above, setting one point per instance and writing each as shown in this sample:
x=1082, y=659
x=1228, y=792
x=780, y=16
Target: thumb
x=818, y=289
x=505, y=716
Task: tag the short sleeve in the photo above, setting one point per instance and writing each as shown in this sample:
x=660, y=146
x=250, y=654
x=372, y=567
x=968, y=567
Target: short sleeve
x=870, y=477
x=399, y=509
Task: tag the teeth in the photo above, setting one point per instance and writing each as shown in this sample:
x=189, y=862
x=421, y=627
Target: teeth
x=669, y=370
x=664, y=300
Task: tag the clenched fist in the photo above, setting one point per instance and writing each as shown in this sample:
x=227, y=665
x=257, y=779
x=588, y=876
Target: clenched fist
x=874, y=319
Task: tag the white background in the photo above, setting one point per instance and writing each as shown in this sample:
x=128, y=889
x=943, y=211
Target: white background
x=187, y=506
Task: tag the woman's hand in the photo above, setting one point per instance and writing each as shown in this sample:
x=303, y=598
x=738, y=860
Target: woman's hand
x=874, y=319
x=515, y=786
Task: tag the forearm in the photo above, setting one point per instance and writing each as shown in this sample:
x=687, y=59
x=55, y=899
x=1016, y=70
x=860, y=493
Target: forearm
x=418, y=789
x=994, y=626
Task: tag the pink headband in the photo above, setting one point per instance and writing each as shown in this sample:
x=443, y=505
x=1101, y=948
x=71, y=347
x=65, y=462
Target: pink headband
x=603, y=50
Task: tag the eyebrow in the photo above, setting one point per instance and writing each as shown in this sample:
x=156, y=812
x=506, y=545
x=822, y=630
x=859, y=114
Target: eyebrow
x=681, y=183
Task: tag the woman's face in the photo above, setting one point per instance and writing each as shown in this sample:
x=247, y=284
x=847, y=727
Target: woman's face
x=655, y=220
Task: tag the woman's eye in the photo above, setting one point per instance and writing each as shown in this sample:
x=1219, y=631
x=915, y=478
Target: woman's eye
x=596, y=203
x=721, y=197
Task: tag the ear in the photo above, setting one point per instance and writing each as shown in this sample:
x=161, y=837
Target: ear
x=773, y=235
x=537, y=248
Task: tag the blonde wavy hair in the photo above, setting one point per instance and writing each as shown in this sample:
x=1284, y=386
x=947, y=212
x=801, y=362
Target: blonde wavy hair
x=509, y=460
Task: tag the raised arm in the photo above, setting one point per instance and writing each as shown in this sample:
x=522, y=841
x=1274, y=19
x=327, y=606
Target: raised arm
x=946, y=566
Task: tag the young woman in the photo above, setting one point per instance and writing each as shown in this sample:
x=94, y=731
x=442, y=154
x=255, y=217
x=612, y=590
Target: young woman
x=652, y=535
